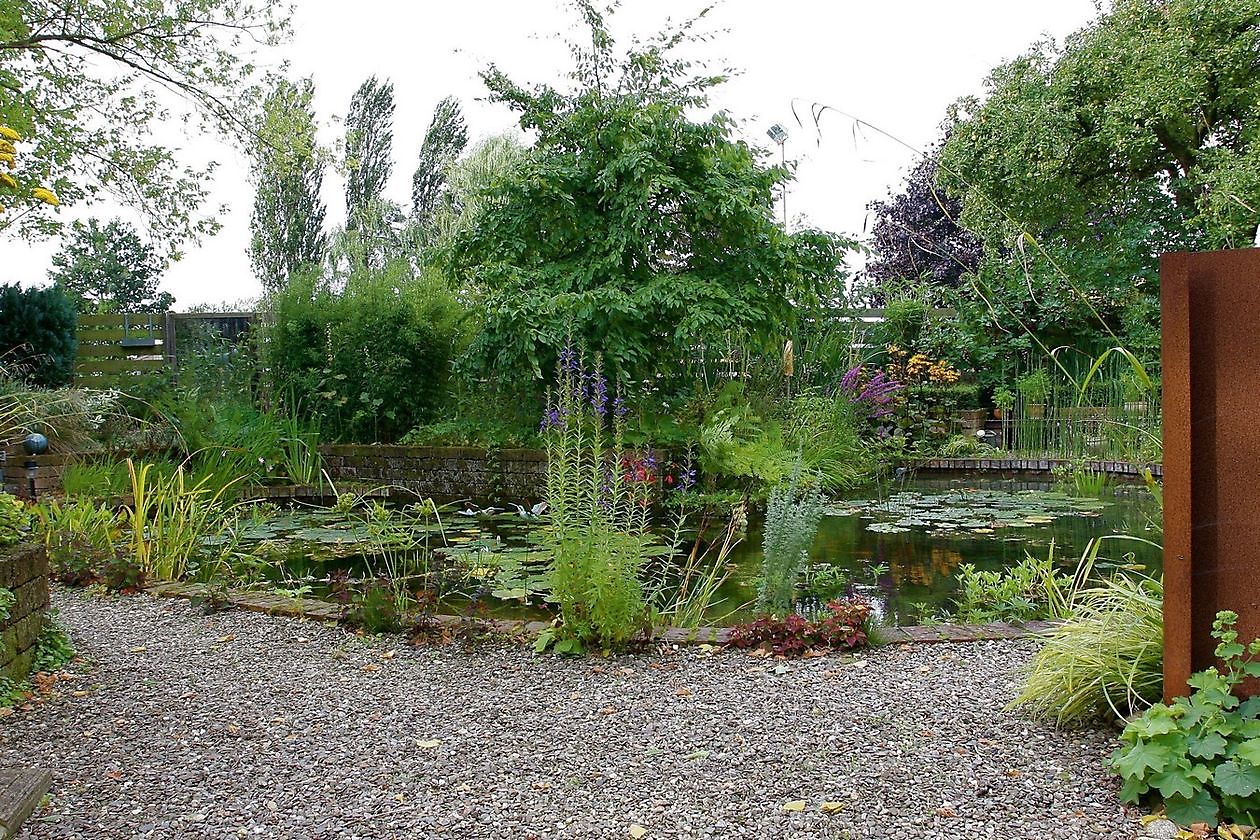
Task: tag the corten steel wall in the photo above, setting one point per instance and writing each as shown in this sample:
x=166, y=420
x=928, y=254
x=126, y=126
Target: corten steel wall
x=1211, y=378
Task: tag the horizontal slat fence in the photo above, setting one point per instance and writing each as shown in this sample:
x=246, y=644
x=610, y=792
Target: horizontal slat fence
x=118, y=351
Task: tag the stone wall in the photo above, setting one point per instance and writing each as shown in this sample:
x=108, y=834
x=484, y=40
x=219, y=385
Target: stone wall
x=47, y=474
x=443, y=473
x=24, y=572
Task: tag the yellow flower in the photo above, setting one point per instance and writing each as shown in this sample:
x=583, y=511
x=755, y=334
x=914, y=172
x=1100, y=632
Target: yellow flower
x=8, y=180
x=9, y=158
x=8, y=133
x=45, y=195
x=7, y=147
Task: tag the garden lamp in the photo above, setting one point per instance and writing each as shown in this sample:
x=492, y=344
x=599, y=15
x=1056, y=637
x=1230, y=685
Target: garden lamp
x=34, y=444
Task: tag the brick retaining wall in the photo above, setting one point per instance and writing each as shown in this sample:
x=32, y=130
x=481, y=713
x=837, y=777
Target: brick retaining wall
x=444, y=473
x=23, y=571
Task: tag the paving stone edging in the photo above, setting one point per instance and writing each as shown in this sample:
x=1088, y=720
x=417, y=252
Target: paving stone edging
x=317, y=610
x=1034, y=465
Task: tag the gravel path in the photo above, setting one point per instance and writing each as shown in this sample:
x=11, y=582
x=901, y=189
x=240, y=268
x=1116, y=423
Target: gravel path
x=241, y=725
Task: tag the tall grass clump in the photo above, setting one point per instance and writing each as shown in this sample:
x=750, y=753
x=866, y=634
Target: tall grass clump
x=171, y=518
x=599, y=502
x=682, y=592
x=1107, y=659
x=793, y=513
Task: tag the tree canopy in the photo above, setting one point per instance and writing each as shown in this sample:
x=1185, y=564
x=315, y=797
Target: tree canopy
x=86, y=82
x=629, y=225
x=109, y=269
x=37, y=336
x=369, y=147
x=915, y=235
x=1083, y=164
x=444, y=142
x=288, y=219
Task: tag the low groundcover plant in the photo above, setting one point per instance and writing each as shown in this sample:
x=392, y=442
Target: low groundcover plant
x=1201, y=754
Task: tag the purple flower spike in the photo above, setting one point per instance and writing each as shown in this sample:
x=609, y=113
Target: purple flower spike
x=568, y=359
x=599, y=394
x=849, y=381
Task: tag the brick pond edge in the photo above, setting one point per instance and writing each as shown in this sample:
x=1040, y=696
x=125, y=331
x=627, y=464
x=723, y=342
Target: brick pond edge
x=315, y=609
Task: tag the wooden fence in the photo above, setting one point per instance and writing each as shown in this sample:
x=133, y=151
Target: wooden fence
x=117, y=351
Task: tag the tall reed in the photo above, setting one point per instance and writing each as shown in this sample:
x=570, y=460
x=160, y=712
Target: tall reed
x=170, y=518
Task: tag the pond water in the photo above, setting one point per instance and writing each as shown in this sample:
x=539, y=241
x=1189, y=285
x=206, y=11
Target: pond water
x=902, y=550
x=900, y=547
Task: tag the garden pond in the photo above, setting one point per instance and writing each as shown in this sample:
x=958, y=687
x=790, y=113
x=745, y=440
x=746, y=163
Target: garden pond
x=899, y=546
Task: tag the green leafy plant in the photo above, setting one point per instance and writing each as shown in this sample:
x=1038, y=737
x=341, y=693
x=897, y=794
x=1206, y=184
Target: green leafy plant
x=170, y=519
x=964, y=446
x=85, y=545
x=7, y=600
x=682, y=593
x=1081, y=480
x=368, y=359
x=15, y=520
x=53, y=649
x=1003, y=398
x=792, y=516
x=1201, y=754
x=1032, y=589
x=375, y=609
x=1035, y=386
x=600, y=507
x=94, y=479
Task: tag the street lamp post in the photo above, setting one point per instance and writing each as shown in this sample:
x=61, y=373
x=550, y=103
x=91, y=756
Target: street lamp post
x=777, y=133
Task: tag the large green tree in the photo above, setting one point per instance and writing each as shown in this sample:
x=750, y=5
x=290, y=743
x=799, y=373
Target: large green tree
x=369, y=148
x=87, y=82
x=1084, y=163
x=288, y=219
x=109, y=269
x=444, y=142
x=630, y=224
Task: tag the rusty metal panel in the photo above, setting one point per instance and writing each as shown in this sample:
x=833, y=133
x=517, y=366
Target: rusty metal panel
x=1211, y=384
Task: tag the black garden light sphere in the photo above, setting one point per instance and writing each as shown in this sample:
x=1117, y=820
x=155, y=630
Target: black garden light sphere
x=34, y=444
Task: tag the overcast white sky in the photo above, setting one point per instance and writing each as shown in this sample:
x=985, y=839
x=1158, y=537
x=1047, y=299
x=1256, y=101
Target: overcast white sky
x=896, y=64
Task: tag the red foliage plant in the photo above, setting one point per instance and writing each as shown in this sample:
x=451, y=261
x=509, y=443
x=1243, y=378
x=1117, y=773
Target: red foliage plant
x=842, y=628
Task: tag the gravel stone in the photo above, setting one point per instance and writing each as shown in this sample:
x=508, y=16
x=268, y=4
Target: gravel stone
x=236, y=725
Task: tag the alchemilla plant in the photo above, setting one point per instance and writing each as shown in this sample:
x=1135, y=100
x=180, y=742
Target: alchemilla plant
x=1201, y=754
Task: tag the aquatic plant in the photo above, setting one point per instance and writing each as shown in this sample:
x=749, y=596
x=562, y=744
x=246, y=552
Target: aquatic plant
x=1032, y=589
x=682, y=593
x=169, y=519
